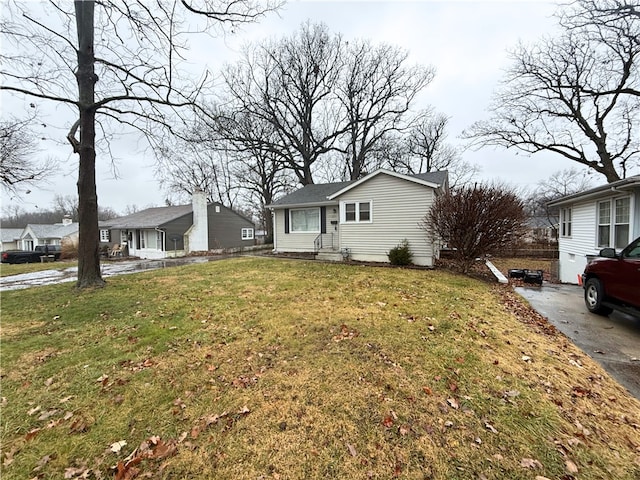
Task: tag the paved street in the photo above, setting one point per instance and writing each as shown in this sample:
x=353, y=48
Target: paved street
x=613, y=341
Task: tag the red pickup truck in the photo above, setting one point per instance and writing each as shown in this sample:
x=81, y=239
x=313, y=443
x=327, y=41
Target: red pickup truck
x=612, y=281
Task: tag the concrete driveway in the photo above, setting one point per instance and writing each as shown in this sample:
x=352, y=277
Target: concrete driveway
x=612, y=341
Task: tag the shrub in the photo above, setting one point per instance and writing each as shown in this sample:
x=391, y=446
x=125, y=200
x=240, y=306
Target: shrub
x=401, y=254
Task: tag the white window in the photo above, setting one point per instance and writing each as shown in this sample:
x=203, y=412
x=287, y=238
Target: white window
x=104, y=235
x=621, y=226
x=305, y=220
x=356, y=212
x=565, y=222
x=613, y=222
x=247, y=234
x=604, y=224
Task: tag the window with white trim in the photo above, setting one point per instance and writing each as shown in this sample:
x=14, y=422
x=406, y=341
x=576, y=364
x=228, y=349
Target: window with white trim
x=247, y=234
x=305, y=220
x=613, y=222
x=604, y=224
x=622, y=214
x=104, y=235
x=356, y=212
x=565, y=222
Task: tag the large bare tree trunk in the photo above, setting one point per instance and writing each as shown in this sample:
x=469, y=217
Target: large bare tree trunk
x=89, y=240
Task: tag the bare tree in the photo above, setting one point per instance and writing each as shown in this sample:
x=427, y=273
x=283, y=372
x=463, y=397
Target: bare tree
x=19, y=162
x=376, y=91
x=559, y=184
x=575, y=95
x=427, y=150
x=131, y=75
x=476, y=220
x=197, y=163
x=290, y=83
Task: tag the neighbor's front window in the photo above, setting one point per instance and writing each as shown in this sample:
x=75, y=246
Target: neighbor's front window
x=305, y=220
x=565, y=222
x=247, y=234
x=604, y=224
x=104, y=235
x=356, y=212
x=621, y=226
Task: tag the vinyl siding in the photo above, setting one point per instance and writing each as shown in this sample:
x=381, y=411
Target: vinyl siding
x=225, y=228
x=583, y=243
x=302, y=242
x=397, y=210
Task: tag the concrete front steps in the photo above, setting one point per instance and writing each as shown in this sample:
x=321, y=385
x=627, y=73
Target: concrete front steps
x=329, y=255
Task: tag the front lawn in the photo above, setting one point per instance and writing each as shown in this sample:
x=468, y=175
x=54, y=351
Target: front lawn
x=278, y=369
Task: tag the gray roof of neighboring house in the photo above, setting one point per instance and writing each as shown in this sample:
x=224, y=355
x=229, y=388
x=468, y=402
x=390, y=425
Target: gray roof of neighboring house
x=10, y=234
x=318, y=193
x=56, y=230
x=625, y=183
x=149, y=218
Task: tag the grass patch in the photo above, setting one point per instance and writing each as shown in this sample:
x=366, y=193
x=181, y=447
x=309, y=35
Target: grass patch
x=269, y=368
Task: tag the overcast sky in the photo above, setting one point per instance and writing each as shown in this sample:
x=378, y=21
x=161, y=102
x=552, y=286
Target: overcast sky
x=466, y=41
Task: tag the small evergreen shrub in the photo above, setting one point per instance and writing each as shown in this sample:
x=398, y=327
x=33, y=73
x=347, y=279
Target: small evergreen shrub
x=400, y=254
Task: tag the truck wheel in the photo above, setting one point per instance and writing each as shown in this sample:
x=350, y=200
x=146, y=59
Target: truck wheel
x=593, y=296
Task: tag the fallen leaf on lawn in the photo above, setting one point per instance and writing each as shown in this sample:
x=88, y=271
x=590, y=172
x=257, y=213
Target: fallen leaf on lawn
x=352, y=450
x=78, y=426
x=33, y=410
x=530, y=463
x=453, y=386
x=453, y=403
x=66, y=399
x=72, y=472
x=31, y=434
x=431, y=328
x=403, y=430
x=526, y=358
x=43, y=461
x=571, y=467
x=117, y=446
x=47, y=414
x=48, y=382
x=103, y=379
x=244, y=410
x=67, y=415
x=490, y=428
x=163, y=450
x=427, y=390
x=388, y=421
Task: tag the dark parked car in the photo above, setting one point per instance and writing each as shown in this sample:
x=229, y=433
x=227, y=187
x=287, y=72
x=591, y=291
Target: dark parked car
x=612, y=281
x=31, y=256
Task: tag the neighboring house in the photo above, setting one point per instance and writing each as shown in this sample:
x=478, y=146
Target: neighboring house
x=55, y=234
x=362, y=219
x=541, y=228
x=10, y=238
x=605, y=216
x=163, y=232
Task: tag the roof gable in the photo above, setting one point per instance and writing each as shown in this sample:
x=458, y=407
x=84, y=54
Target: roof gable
x=56, y=230
x=325, y=193
x=425, y=179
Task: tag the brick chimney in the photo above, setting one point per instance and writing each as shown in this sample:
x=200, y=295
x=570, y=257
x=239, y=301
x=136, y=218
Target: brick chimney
x=199, y=231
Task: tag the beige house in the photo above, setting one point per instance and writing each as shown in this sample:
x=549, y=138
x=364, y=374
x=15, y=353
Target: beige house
x=361, y=220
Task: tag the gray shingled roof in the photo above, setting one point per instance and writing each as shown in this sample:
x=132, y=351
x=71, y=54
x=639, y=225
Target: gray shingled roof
x=10, y=234
x=318, y=193
x=56, y=230
x=149, y=218
x=310, y=194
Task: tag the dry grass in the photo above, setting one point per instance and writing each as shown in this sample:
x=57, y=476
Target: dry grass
x=266, y=368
